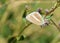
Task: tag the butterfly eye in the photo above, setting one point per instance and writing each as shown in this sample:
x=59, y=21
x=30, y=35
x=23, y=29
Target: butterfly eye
x=35, y=18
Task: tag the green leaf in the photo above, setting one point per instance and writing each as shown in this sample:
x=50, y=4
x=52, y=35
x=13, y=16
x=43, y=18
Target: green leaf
x=21, y=38
x=10, y=15
x=25, y=13
x=49, y=16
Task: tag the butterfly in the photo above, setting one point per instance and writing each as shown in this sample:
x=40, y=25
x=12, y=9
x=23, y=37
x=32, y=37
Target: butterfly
x=35, y=18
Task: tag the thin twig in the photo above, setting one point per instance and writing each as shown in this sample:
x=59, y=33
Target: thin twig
x=24, y=29
x=55, y=24
x=52, y=10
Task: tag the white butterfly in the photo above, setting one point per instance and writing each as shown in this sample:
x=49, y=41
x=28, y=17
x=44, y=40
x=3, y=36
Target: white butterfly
x=35, y=18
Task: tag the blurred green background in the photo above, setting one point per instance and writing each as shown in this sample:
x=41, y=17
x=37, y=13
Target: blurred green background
x=11, y=21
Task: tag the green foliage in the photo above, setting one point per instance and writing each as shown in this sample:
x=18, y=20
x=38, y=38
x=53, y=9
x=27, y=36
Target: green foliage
x=2, y=10
x=49, y=16
x=24, y=14
x=10, y=15
x=6, y=31
x=2, y=1
x=12, y=40
x=43, y=39
x=22, y=38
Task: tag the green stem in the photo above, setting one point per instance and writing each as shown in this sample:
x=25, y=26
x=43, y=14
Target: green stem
x=52, y=10
x=24, y=29
x=55, y=24
x=19, y=35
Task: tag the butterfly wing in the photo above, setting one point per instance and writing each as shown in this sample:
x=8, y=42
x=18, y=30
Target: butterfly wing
x=35, y=18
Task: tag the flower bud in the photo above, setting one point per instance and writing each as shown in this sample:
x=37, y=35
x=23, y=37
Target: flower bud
x=47, y=11
x=26, y=6
x=39, y=10
x=52, y=7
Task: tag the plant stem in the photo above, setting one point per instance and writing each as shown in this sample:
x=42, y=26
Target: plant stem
x=55, y=24
x=23, y=30
x=11, y=40
x=52, y=10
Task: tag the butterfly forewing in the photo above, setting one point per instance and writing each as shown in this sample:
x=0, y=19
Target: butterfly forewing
x=35, y=20
x=32, y=19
